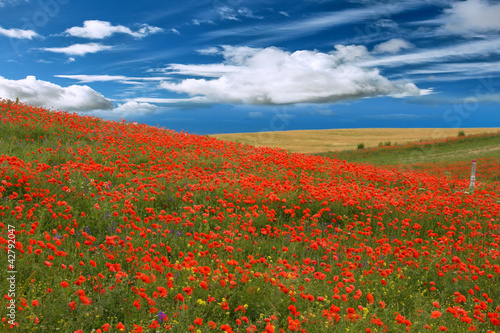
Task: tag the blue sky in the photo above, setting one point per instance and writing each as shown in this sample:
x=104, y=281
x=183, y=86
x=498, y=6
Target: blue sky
x=228, y=66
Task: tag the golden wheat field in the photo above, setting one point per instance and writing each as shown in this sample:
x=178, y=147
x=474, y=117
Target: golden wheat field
x=319, y=141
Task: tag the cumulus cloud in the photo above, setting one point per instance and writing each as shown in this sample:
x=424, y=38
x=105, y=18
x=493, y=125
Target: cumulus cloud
x=95, y=29
x=78, y=49
x=50, y=95
x=472, y=16
x=274, y=76
x=18, y=33
x=392, y=46
x=136, y=108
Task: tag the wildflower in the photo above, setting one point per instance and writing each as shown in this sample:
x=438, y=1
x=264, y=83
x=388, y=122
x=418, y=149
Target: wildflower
x=162, y=317
x=162, y=291
x=436, y=314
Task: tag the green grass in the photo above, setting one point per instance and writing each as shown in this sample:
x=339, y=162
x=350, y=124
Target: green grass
x=449, y=150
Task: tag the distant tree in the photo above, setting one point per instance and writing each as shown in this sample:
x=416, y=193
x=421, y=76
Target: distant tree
x=361, y=146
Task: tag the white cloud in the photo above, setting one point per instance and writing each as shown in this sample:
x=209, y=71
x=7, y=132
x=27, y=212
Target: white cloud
x=95, y=29
x=392, y=46
x=197, y=99
x=135, y=108
x=50, y=95
x=464, y=51
x=458, y=71
x=93, y=78
x=229, y=13
x=322, y=21
x=79, y=49
x=85, y=78
x=245, y=12
x=472, y=16
x=493, y=98
x=211, y=70
x=349, y=53
x=199, y=22
x=209, y=51
x=387, y=24
x=273, y=76
x=18, y=33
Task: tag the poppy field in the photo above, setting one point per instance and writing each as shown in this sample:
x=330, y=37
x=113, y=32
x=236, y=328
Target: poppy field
x=122, y=227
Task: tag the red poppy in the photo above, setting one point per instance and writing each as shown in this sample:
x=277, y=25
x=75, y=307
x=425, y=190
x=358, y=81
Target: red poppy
x=436, y=314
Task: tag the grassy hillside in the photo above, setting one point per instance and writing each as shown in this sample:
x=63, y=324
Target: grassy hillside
x=122, y=227
x=321, y=141
x=452, y=149
x=450, y=157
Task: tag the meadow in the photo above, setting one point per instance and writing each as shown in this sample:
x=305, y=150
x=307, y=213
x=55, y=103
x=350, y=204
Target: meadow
x=335, y=140
x=450, y=157
x=122, y=227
